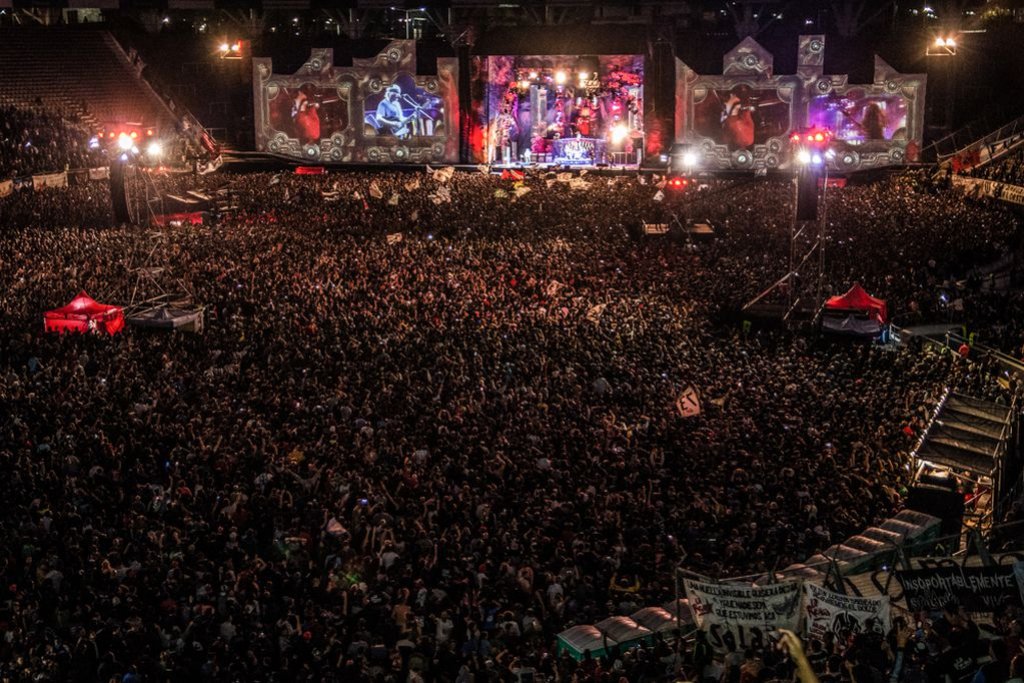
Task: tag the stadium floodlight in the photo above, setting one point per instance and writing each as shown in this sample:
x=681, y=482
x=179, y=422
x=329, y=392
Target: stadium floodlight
x=942, y=46
x=124, y=142
x=155, y=150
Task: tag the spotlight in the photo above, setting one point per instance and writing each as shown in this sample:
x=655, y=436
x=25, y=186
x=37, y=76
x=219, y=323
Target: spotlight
x=94, y=142
x=803, y=157
x=816, y=159
x=155, y=150
x=689, y=159
x=224, y=47
x=133, y=135
x=524, y=84
x=584, y=75
x=236, y=47
x=533, y=75
x=619, y=133
x=560, y=77
x=124, y=142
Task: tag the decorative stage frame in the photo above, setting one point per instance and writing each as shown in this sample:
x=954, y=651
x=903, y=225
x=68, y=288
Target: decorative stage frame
x=378, y=110
x=743, y=117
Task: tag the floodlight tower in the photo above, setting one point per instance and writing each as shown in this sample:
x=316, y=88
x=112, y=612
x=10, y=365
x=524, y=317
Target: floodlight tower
x=810, y=154
x=803, y=284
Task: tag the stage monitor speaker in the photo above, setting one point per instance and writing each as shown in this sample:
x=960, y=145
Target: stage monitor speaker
x=941, y=502
x=119, y=194
x=806, y=196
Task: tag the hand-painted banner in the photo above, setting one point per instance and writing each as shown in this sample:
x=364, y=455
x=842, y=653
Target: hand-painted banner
x=743, y=615
x=828, y=612
x=977, y=589
x=50, y=180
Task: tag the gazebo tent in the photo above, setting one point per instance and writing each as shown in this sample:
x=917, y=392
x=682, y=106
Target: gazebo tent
x=660, y=620
x=856, y=313
x=169, y=318
x=579, y=639
x=83, y=314
x=626, y=632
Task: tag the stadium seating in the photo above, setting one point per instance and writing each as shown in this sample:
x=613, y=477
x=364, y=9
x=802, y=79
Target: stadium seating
x=77, y=73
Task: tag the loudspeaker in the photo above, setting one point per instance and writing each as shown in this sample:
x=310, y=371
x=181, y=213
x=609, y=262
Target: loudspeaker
x=806, y=196
x=941, y=502
x=119, y=194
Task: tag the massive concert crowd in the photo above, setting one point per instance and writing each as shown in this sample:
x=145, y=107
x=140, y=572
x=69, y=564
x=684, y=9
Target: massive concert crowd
x=419, y=459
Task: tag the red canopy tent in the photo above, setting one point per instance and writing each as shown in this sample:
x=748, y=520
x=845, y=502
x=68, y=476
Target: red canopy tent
x=858, y=301
x=84, y=314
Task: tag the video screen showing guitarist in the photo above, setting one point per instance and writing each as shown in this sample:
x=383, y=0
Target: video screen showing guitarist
x=405, y=112
x=390, y=117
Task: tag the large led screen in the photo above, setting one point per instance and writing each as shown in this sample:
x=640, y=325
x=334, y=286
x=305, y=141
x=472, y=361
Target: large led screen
x=377, y=110
x=403, y=110
x=741, y=116
x=857, y=117
x=308, y=113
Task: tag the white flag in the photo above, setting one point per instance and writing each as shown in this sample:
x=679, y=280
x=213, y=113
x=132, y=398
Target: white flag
x=553, y=288
x=375, y=190
x=395, y=238
x=594, y=313
x=394, y=200
x=658, y=196
x=413, y=184
x=688, y=403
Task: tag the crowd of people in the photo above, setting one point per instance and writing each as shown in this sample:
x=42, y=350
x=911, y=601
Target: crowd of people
x=431, y=423
x=1008, y=167
x=35, y=140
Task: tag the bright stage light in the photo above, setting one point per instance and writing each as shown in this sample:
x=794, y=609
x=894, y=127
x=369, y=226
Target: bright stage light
x=689, y=159
x=236, y=47
x=816, y=159
x=619, y=133
x=803, y=157
x=155, y=150
x=524, y=84
x=533, y=75
x=224, y=47
x=560, y=77
x=124, y=142
x=584, y=75
x=94, y=142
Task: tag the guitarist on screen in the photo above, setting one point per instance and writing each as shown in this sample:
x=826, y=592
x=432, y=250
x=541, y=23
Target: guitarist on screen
x=390, y=117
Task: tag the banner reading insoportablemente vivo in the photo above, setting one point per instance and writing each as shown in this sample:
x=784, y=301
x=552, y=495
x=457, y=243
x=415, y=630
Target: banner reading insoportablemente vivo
x=828, y=612
x=977, y=589
x=743, y=614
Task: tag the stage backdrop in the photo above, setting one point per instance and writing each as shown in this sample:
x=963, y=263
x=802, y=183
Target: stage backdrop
x=528, y=107
x=742, y=118
x=377, y=110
